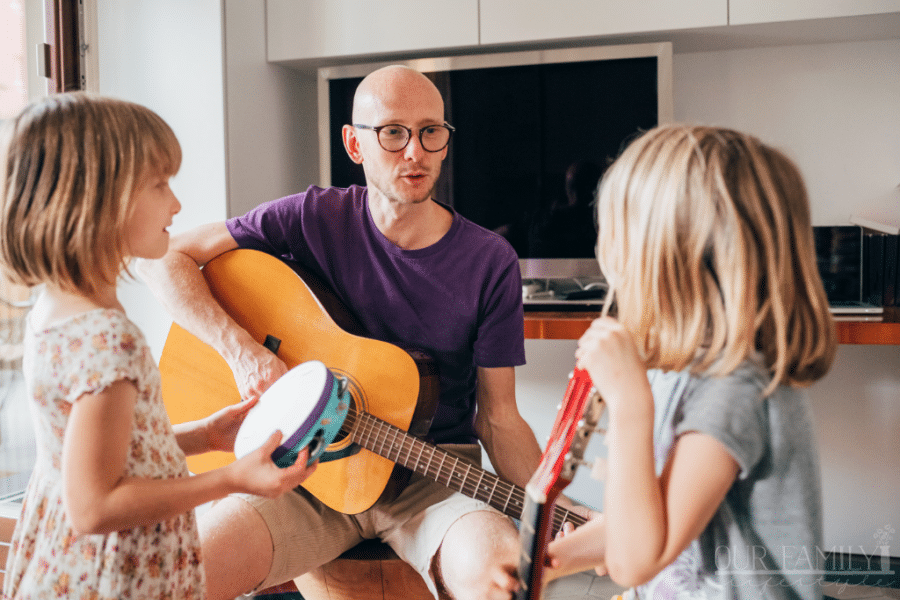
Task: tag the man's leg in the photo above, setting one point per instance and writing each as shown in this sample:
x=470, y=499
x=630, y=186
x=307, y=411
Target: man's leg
x=478, y=557
x=237, y=548
x=471, y=567
x=429, y=523
x=250, y=542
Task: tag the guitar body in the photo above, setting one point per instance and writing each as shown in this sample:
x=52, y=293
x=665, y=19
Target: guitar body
x=269, y=297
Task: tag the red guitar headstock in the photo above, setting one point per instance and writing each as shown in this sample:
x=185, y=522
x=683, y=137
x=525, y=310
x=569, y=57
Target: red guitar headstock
x=576, y=420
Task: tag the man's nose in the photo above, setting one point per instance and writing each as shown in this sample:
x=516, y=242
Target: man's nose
x=414, y=148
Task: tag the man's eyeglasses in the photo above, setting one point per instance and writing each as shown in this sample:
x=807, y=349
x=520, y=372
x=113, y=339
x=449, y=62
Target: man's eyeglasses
x=395, y=138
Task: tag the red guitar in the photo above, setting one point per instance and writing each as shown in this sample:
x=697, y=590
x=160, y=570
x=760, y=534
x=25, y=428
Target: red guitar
x=576, y=420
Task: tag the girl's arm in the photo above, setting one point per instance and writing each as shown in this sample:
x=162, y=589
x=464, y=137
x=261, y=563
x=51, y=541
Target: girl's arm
x=216, y=432
x=649, y=520
x=99, y=498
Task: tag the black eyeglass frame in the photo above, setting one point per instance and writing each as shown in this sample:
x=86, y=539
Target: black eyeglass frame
x=409, y=133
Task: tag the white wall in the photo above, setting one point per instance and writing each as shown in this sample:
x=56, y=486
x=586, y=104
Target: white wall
x=835, y=109
x=270, y=115
x=243, y=125
x=171, y=63
x=34, y=34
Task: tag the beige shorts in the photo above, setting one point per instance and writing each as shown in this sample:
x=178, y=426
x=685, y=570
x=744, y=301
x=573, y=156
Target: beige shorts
x=307, y=534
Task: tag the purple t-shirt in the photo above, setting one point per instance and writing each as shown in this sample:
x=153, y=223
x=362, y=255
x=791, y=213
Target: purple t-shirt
x=459, y=300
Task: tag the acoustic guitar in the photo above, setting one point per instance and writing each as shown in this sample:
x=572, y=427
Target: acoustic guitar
x=394, y=391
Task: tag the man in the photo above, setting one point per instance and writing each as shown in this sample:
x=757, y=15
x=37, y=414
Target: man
x=415, y=273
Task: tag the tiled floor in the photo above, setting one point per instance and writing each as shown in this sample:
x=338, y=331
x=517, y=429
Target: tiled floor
x=584, y=586
x=841, y=591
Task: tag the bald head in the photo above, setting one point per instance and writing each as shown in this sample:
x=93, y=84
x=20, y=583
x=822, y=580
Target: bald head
x=403, y=97
x=394, y=89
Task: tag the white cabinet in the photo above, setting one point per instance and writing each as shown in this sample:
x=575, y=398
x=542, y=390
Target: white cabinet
x=512, y=21
x=744, y=12
x=308, y=32
x=308, y=29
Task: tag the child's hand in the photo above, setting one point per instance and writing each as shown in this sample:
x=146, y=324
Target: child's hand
x=608, y=353
x=574, y=550
x=222, y=426
x=566, y=529
x=258, y=474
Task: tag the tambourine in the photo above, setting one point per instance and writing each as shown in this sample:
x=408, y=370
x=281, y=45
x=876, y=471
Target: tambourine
x=308, y=404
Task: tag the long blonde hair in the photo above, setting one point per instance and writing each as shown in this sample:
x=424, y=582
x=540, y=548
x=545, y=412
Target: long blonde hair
x=70, y=165
x=706, y=240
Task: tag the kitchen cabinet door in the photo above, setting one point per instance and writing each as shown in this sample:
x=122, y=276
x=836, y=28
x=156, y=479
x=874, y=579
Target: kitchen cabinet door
x=744, y=12
x=300, y=30
x=511, y=21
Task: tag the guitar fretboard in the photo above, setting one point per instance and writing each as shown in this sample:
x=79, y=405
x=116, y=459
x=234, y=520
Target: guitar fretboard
x=428, y=460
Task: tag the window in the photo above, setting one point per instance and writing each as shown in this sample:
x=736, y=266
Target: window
x=16, y=435
x=26, y=24
x=64, y=38
x=13, y=81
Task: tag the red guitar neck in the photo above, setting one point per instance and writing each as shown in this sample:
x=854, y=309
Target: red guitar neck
x=561, y=457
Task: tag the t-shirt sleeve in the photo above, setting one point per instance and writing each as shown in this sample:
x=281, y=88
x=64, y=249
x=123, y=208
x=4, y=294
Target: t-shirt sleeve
x=272, y=227
x=730, y=409
x=501, y=332
x=116, y=352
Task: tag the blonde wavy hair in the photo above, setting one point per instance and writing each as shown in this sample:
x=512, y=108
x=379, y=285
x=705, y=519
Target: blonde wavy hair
x=706, y=241
x=70, y=165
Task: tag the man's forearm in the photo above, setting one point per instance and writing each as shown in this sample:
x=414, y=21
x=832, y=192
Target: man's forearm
x=514, y=452
x=180, y=287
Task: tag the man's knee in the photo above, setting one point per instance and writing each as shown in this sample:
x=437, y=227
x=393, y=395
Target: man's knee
x=237, y=548
x=478, y=557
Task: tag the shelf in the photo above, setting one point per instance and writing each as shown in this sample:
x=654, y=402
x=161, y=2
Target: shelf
x=570, y=326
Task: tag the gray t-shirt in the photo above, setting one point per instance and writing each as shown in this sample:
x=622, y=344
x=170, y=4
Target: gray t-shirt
x=765, y=540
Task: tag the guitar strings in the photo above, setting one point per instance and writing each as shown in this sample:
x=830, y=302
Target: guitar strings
x=376, y=435
x=411, y=452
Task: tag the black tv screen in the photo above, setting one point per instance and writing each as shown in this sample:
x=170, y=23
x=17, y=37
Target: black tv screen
x=534, y=133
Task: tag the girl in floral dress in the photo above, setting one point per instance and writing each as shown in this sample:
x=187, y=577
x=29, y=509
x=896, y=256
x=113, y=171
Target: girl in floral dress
x=108, y=513
x=712, y=486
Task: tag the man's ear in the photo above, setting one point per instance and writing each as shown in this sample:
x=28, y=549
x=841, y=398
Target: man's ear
x=351, y=143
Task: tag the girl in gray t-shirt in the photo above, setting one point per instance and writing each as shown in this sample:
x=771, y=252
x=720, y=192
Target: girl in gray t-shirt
x=712, y=488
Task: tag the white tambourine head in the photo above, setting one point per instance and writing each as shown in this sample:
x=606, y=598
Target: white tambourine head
x=285, y=406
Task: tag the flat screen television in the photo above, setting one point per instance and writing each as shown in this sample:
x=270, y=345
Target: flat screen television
x=526, y=122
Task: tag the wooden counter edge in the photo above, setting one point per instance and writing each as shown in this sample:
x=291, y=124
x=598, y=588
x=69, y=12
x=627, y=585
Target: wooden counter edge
x=550, y=325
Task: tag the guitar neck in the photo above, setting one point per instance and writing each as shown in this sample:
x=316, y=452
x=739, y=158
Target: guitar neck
x=535, y=530
x=428, y=460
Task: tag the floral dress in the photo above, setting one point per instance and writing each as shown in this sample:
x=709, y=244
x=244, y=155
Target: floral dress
x=81, y=355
